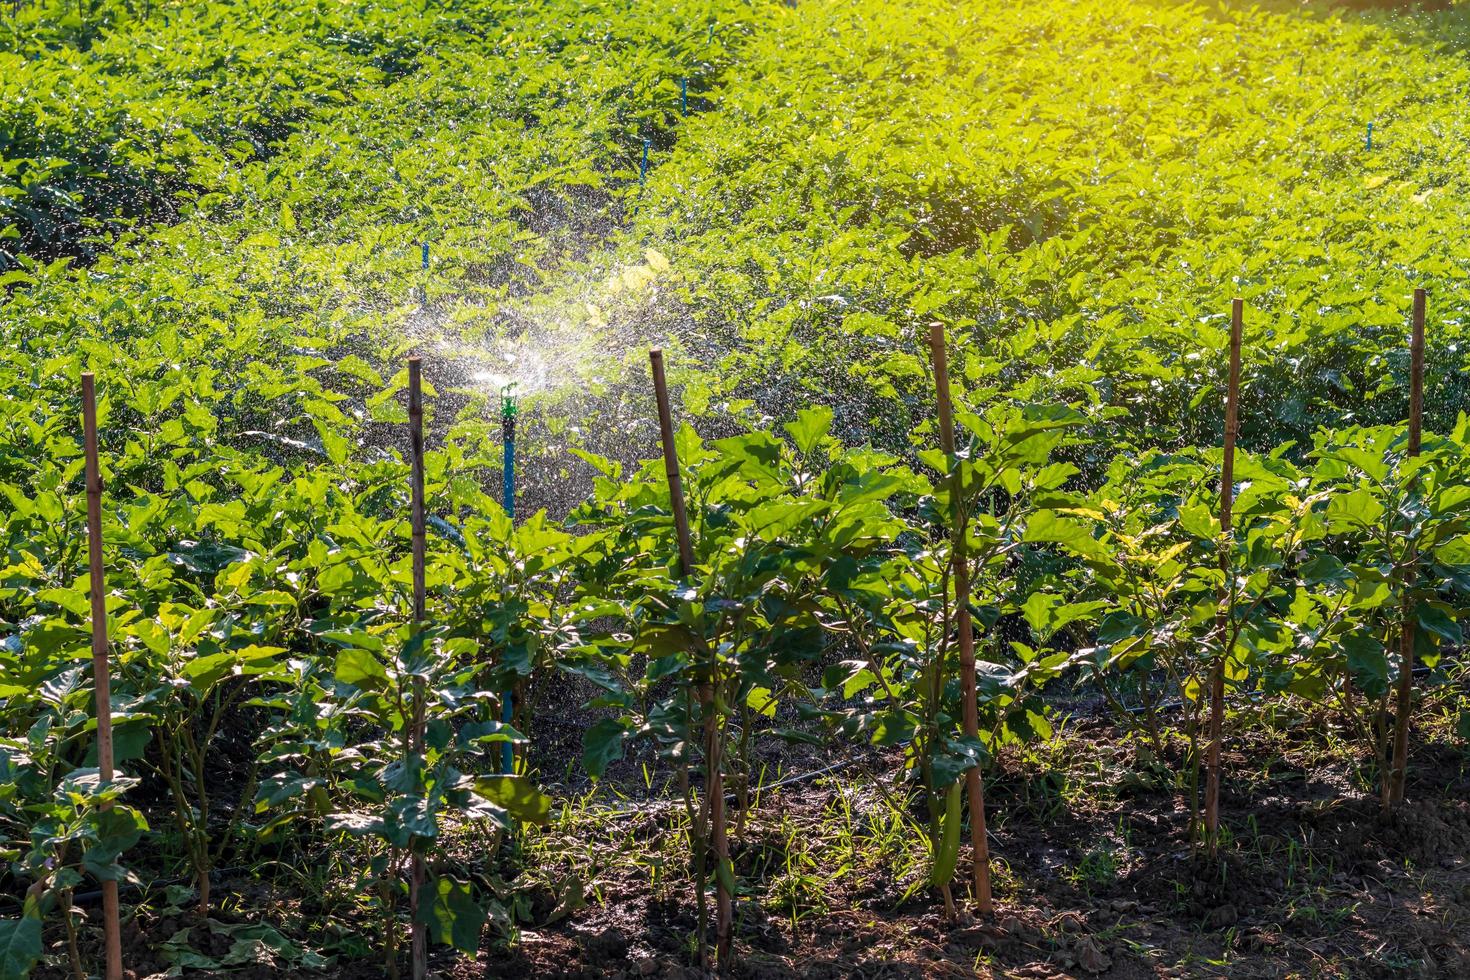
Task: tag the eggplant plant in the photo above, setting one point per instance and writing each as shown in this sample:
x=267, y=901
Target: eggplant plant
x=721, y=654
x=1181, y=598
x=388, y=788
x=1386, y=592
x=901, y=618
x=59, y=824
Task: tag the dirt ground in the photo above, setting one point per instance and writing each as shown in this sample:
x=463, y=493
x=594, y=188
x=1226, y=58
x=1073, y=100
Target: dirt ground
x=1094, y=876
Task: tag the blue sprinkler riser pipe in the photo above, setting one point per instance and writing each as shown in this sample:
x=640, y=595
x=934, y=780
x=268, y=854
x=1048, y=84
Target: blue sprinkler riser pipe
x=508, y=500
x=683, y=96
x=1369, y=144
x=509, y=493
x=643, y=167
x=425, y=254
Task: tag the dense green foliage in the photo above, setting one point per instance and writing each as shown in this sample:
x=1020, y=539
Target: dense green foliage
x=219, y=211
x=1078, y=189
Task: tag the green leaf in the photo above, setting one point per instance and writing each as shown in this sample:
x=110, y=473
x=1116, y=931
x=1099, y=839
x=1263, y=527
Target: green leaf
x=1325, y=568
x=451, y=914
x=356, y=824
x=361, y=669
x=810, y=428
x=1049, y=527
x=955, y=758
x=517, y=796
x=1047, y=613
x=117, y=829
x=1367, y=663
x=1198, y=522
x=74, y=602
x=20, y=947
x=1437, y=621
x=761, y=701
x=602, y=744
x=1353, y=511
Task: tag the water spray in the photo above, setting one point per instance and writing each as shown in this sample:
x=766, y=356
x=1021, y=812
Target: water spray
x=508, y=412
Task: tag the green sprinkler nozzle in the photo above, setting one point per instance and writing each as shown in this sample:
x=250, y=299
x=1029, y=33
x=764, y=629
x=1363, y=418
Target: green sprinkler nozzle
x=508, y=407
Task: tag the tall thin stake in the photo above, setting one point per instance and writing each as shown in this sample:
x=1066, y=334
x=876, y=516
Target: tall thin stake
x=1227, y=597
x=102, y=675
x=974, y=788
x=1405, y=704
x=714, y=789
x=420, y=951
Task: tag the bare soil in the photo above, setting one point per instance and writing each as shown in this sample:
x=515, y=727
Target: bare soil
x=1094, y=872
x=1095, y=877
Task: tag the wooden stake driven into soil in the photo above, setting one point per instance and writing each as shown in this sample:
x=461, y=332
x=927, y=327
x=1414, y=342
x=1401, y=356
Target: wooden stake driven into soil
x=1227, y=599
x=102, y=675
x=420, y=951
x=714, y=789
x=1399, y=771
x=974, y=788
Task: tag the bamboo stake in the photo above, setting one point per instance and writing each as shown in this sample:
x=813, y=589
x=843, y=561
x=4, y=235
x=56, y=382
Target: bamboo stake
x=974, y=787
x=1405, y=704
x=1227, y=599
x=420, y=953
x=102, y=679
x=714, y=775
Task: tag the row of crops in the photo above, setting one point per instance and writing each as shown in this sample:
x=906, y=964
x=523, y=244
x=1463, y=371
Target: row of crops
x=219, y=208
x=816, y=603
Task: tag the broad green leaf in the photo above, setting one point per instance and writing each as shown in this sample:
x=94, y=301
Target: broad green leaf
x=602, y=744
x=361, y=669
x=452, y=914
x=20, y=947
x=517, y=796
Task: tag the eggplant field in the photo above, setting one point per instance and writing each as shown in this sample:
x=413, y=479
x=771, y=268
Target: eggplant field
x=736, y=488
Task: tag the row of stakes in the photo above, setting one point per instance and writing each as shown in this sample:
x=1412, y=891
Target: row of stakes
x=1394, y=785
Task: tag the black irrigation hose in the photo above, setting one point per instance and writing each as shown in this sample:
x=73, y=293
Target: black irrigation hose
x=731, y=797
x=1179, y=703
x=847, y=763
x=93, y=897
x=657, y=805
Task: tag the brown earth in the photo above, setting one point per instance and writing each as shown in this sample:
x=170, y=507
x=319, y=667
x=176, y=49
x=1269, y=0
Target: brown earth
x=1095, y=877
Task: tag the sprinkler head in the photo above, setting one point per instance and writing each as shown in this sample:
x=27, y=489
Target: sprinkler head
x=508, y=407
